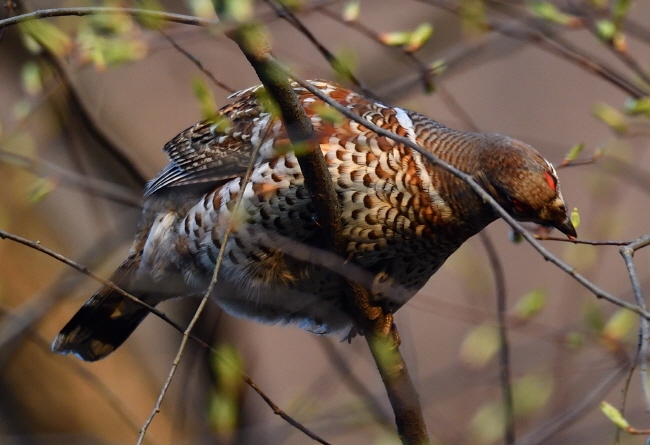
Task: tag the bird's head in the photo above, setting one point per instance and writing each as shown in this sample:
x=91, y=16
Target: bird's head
x=524, y=183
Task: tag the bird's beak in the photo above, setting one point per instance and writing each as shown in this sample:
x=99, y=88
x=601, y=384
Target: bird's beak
x=566, y=227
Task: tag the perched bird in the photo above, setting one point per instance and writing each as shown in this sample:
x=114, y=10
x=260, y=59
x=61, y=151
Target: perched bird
x=402, y=216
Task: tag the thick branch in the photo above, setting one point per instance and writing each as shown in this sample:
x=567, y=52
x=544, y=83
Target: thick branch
x=376, y=326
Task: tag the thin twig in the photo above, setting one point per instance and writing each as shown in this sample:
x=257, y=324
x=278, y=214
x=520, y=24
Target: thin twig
x=84, y=270
x=644, y=329
x=623, y=56
x=38, y=305
x=352, y=382
x=285, y=13
x=426, y=75
x=504, y=349
x=469, y=180
x=61, y=176
x=567, y=417
x=539, y=34
x=36, y=245
x=196, y=62
x=84, y=11
x=582, y=241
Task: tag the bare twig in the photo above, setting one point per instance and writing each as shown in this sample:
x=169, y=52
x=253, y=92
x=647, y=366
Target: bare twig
x=530, y=238
x=567, y=417
x=84, y=11
x=84, y=270
x=539, y=34
x=644, y=330
x=285, y=13
x=426, y=75
x=25, y=316
x=504, y=350
x=582, y=241
x=196, y=62
x=93, y=186
x=352, y=382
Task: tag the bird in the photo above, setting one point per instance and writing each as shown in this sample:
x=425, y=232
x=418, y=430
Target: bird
x=402, y=216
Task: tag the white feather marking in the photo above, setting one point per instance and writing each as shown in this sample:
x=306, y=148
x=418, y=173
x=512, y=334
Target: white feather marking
x=406, y=123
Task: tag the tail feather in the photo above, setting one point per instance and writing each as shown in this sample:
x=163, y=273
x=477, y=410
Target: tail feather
x=106, y=320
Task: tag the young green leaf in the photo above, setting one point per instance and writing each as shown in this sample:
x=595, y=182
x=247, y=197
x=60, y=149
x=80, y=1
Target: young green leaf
x=224, y=404
x=610, y=116
x=345, y=62
x=614, y=415
x=31, y=79
x=202, y=8
x=573, y=153
x=575, y=217
x=419, y=37
x=549, y=12
x=635, y=107
x=594, y=318
x=149, y=22
x=606, y=29
x=327, y=113
x=44, y=33
x=620, y=324
x=473, y=16
x=239, y=10
x=574, y=340
x=531, y=393
x=487, y=423
x=40, y=189
x=397, y=38
x=205, y=97
x=351, y=11
x=620, y=9
x=480, y=345
x=437, y=67
x=530, y=304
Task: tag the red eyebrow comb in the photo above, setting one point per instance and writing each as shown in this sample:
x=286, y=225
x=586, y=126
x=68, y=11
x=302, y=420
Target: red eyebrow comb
x=550, y=180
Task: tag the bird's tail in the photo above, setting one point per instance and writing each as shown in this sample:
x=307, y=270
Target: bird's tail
x=107, y=319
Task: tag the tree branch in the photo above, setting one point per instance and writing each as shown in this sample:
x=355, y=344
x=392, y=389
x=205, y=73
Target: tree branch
x=377, y=326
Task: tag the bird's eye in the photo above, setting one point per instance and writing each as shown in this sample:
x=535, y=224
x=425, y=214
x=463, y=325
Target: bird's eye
x=551, y=181
x=519, y=207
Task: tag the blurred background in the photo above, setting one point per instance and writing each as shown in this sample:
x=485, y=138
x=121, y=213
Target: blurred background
x=84, y=116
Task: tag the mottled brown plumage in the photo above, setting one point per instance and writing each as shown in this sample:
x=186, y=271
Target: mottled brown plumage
x=402, y=217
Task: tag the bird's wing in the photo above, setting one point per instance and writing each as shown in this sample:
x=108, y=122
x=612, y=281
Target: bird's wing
x=215, y=150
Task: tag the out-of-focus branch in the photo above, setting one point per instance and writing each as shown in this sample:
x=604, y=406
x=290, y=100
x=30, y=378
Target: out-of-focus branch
x=504, y=346
x=570, y=415
x=196, y=62
x=425, y=73
x=84, y=11
x=92, y=186
x=285, y=13
x=105, y=392
x=537, y=33
x=76, y=103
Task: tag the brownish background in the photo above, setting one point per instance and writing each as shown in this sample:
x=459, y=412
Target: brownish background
x=508, y=87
